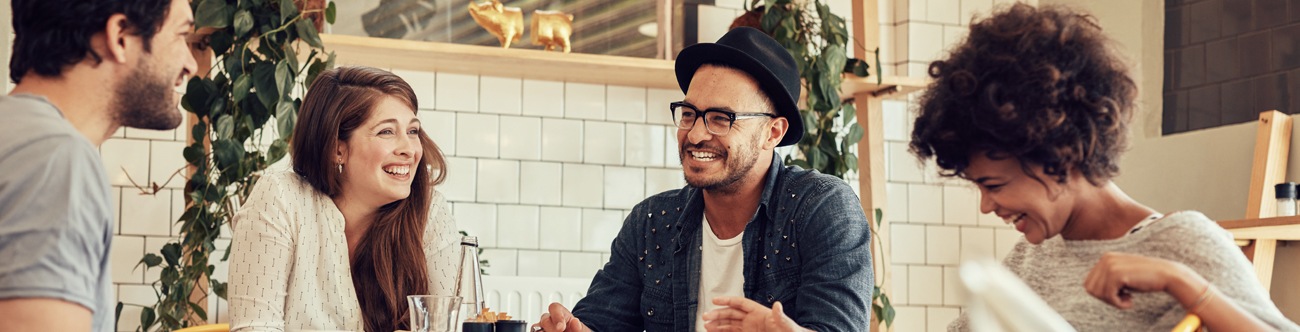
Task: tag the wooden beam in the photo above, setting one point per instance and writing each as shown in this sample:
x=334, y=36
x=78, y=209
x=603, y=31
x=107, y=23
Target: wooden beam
x=203, y=57
x=866, y=29
x=1272, y=145
x=1265, y=255
x=871, y=149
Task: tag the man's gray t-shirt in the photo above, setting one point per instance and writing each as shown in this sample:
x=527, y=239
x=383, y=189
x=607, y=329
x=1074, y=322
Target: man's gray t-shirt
x=56, y=223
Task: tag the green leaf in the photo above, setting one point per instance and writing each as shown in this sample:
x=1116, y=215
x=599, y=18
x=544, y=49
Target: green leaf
x=854, y=135
x=265, y=83
x=147, y=316
x=861, y=68
x=850, y=114
x=771, y=18
x=219, y=288
x=287, y=11
x=212, y=13
x=243, y=22
x=227, y=153
x=241, y=88
x=817, y=159
x=879, y=216
x=329, y=13
x=283, y=79
x=851, y=161
x=149, y=260
x=225, y=126
x=203, y=314
x=307, y=31
x=117, y=314
x=314, y=70
x=220, y=41
x=198, y=93
x=172, y=253
x=278, y=149
x=291, y=56
x=218, y=107
x=285, y=118
x=888, y=315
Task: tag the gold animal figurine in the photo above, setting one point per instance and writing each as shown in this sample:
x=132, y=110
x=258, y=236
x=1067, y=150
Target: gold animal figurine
x=507, y=23
x=552, y=29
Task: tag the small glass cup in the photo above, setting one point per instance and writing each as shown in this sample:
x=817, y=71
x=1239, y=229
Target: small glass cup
x=431, y=313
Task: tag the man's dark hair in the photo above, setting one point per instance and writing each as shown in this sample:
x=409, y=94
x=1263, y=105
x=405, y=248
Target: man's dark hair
x=1038, y=84
x=50, y=35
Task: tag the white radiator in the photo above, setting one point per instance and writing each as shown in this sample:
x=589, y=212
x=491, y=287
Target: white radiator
x=526, y=298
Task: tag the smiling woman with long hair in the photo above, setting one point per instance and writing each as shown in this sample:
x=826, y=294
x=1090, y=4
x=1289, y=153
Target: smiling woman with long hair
x=339, y=242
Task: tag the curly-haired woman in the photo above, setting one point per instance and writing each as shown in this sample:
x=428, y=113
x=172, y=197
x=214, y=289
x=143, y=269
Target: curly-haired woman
x=1033, y=108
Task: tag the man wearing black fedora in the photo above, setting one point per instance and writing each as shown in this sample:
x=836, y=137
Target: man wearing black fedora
x=749, y=243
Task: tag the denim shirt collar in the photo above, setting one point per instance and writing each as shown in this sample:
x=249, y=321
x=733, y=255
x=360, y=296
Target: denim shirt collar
x=695, y=206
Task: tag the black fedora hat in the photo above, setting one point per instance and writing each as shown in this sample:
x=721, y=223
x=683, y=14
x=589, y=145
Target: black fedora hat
x=757, y=54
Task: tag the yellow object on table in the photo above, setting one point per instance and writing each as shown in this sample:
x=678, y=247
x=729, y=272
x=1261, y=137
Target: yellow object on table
x=1189, y=324
x=207, y=328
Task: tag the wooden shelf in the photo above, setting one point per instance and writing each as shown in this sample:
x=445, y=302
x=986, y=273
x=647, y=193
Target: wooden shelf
x=553, y=66
x=494, y=61
x=1277, y=228
x=889, y=85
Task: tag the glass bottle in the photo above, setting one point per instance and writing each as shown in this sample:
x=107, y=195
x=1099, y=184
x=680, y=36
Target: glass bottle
x=469, y=282
x=1286, y=198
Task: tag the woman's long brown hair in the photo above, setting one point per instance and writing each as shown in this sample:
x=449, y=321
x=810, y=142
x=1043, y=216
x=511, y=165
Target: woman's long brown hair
x=389, y=263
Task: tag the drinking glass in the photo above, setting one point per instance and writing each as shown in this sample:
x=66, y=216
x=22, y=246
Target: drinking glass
x=431, y=313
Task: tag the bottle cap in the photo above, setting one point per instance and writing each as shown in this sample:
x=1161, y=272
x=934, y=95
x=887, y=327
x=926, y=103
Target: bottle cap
x=469, y=241
x=1285, y=190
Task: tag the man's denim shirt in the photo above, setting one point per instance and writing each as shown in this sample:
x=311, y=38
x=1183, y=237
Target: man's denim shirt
x=807, y=246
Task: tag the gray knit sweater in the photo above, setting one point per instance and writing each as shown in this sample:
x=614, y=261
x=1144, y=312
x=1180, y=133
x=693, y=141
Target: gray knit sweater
x=1056, y=269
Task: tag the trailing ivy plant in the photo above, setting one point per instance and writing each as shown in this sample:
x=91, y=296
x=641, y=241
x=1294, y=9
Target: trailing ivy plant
x=257, y=47
x=818, y=39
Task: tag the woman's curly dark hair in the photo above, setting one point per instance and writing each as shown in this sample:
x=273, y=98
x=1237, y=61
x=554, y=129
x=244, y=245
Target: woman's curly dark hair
x=1037, y=84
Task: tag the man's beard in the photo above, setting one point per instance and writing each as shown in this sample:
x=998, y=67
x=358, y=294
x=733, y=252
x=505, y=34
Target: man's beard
x=738, y=165
x=146, y=101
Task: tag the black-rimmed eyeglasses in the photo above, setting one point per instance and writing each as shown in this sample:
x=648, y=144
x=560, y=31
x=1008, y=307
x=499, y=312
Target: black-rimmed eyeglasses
x=717, y=121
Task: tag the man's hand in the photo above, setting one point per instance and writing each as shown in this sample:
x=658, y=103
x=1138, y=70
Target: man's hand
x=741, y=314
x=557, y=319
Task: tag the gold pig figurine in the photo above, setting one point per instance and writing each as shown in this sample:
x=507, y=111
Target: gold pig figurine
x=552, y=29
x=507, y=23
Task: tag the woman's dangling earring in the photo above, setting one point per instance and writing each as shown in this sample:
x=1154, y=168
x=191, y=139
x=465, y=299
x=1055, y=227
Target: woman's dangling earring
x=340, y=168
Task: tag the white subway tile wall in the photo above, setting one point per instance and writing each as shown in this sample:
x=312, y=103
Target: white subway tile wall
x=584, y=101
x=457, y=92
x=477, y=135
x=625, y=104
x=478, y=220
x=441, y=128
x=539, y=183
x=521, y=138
x=543, y=98
x=604, y=143
x=536, y=156
x=498, y=181
x=500, y=95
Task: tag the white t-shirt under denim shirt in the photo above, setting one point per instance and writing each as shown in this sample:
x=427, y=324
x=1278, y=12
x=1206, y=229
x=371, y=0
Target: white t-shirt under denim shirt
x=722, y=267
x=289, y=265
x=56, y=222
